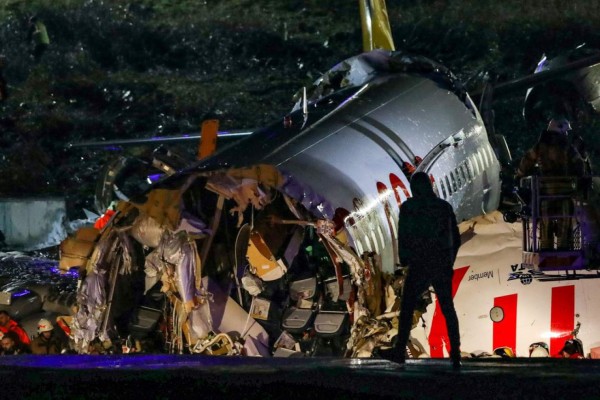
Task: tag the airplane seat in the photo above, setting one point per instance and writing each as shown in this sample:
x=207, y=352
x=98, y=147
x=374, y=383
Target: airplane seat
x=300, y=311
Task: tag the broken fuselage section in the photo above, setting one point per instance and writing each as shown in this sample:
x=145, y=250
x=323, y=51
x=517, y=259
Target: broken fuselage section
x=285, y=242
x=228, y=262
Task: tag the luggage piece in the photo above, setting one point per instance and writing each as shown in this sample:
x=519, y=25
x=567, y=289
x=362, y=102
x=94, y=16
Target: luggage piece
x=297, y=320
x=260, y=308
x=330, y=323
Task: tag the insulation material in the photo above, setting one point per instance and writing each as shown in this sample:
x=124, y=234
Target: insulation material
x=91, y=300
x=200, y=322
x=153, y=268
x=252, y=284
x=180, y=251
x=262, y=173
x=103, y=251
x=244, y=192
x=128, y=253
x=147, y=230
x=164, y=206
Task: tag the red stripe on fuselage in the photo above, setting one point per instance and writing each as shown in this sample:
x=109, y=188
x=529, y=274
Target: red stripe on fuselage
x=438, y=336
x=505, y=331
x=397, y=184
x=562, y=317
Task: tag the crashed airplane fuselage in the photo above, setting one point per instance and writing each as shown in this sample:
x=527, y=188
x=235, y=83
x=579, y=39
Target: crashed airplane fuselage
x=285, y=242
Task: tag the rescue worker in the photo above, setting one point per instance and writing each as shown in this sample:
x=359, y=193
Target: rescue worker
x=47, y=341
x=428, y=241
x=554, y=157
x=572, y=349
x=538, y=349
x=504, y=352
x=39, y=35
x=7, y=324
x=11, y=345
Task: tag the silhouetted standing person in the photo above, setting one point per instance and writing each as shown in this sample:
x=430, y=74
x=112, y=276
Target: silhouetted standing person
x=39, y=34
x=429, y=240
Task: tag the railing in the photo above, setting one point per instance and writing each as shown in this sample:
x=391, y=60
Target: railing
x=553, y=238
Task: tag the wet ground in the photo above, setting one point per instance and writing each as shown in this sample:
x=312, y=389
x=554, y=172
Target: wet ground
x=206, y=377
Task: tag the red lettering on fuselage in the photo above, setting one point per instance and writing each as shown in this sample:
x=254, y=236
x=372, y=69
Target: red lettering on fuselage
x=397, y=185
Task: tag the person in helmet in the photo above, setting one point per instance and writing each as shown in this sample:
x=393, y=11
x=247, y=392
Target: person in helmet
x=553, y=156
x=504, y=352
x=11, y=345
x=538, y=350
x=47, y=342
x=572, y=349
x=7, y=324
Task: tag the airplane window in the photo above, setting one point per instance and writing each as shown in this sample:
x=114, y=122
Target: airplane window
x=394, y=227
x=368, y=243
x=481, y=161
x=453, y=179
x=458, y=178
x=475, y=165
x=380, y=233
x=359, y=246
x=469, y=168
x=436, y=188
x=443, y=189
x=448, y=185
x=491, y=153
x=374, y=240
x=462, y=168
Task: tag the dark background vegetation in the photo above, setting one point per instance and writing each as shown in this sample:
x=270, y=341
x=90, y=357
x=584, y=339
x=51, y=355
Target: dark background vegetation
x=122, y=69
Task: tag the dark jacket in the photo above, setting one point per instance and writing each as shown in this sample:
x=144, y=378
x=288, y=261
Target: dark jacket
x=428, y=236
x=41, y=345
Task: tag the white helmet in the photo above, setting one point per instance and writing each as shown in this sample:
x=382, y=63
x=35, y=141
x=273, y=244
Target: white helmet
x=560, y=125
x=44, y=325
x=539, y=349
